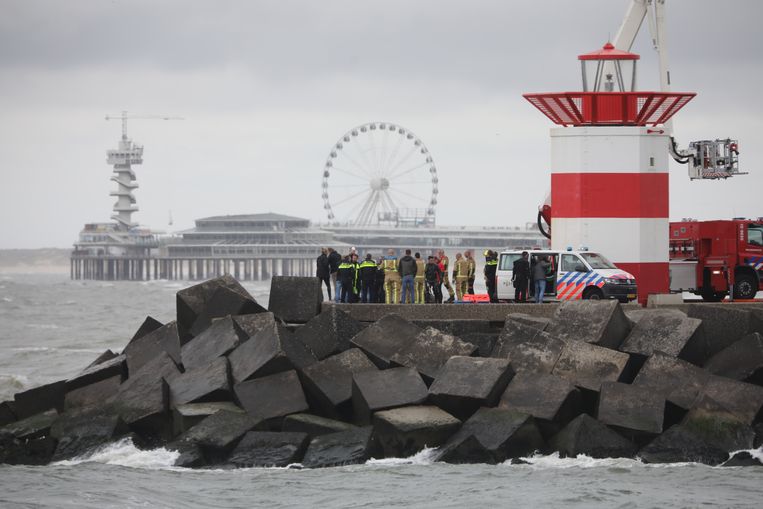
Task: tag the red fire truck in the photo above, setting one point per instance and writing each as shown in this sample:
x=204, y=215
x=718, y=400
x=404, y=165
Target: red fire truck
x=708, y=258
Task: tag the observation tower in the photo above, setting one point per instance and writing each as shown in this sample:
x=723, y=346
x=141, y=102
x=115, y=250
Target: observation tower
x=127, y=154
x=609, y=167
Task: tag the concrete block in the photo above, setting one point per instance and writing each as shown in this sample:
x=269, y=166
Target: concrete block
x=253, y=323
x=79, y=432
x=205, y=383
x=666, y=330
x=144, y=397
x=466, y=383
x=148, y=347
x=600, y=322
x=314, y=425
x=329, y=333
x=39, y=399
x=586, y=435
x=429, y=351
x=224, y=302
x=343, y=448
x=484, y=341
x=116, y=366
x=493, y=435
x=588, y=365
x=489, y=312
x=220, y=338
x=710, y=420
x=380, y=390
x=631, y=407
x=35, y=451
x=105, y=356
x=655, y=300
x=680, y=444
x=150, y=324
x=219, y=433
x=187, y=415
x=295, y=299
x=328, y=383
x=742, y=360
x=93, y=394
x=527, y=348
x=272, y=350
x=678, y=381
x=383, y=339
x=743, y=459
x=269, y=449
x=402, y=432
x=7, y=413
x=454, y=327
x=32, y=427
x=191, y=455
x=536, y=322
x=548, y=398
x=272, y=396
x=722, y=326
x=192, y=301
x=741, y=399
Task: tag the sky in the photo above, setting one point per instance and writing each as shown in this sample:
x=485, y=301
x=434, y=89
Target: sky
x=267, y=88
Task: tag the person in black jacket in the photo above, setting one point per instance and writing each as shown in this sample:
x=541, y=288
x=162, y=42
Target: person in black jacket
x=334, y=260
x=491, y=266
x=520, y=277
x=367, y=279
x=381, y=295
x=345, y=280
x=433, y=277
x=323, y=270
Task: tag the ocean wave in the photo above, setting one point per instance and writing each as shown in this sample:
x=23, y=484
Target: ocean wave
x=424, y=457
x=42, y=326
x=13, y=383
x=7, y=299
x=125, y=454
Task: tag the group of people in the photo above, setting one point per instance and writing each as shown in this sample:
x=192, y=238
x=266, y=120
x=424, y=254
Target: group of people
x=523, y=271
x=409, y=279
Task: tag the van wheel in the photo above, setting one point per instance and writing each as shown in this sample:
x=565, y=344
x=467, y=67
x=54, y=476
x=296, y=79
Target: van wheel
x=745, y=288
x=593, y=294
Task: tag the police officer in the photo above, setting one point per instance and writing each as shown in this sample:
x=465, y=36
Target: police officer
x=461, y=276
x=367, y=278
x=491, y=265
x=391, y=278
x=345, y=279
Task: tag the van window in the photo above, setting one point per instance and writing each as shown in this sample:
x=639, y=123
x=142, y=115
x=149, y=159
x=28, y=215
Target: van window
x=569, y=262
x=507, y=261
x=597, y=261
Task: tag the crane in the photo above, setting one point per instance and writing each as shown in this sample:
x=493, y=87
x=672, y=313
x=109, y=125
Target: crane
x=124, y=116
x=707, y=159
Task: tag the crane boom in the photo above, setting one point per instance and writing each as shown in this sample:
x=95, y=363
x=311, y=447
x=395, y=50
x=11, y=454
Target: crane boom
x=124, y=116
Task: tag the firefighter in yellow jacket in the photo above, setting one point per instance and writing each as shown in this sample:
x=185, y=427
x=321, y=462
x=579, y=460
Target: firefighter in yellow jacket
x=445, y=280
x=391, y=278
x=469, y=255
x=461, y=276
x=419, y=281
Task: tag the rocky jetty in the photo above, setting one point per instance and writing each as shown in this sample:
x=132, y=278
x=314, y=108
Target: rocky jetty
x=231, y=384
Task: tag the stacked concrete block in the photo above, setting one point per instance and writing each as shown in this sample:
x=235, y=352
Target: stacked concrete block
x=380, y=390
x=329, y=333
x=295, y=299
x=429, y=351
x=384, y=338
x=599, y=322
x=464, y=384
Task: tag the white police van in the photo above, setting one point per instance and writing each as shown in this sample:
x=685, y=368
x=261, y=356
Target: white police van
x=572, y=275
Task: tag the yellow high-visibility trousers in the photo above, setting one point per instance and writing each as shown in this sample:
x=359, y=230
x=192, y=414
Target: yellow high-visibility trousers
x=418, y=290
x=392, y=291
x=462, y=286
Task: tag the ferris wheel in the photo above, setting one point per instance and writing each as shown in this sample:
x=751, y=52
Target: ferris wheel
x=379, y=172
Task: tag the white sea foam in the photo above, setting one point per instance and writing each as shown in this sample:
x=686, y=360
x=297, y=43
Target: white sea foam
x=423, y=457
x=49, y=326
x=124, y=453
x=7, y=299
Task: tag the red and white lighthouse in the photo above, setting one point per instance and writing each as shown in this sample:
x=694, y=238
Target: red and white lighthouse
x=609, y=167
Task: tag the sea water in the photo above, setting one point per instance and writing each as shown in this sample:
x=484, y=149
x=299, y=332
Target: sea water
x=51, y=327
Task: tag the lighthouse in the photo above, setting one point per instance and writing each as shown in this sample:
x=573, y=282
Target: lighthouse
x=609, y=167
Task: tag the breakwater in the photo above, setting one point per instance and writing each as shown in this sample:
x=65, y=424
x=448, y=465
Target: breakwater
x=231, y=383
